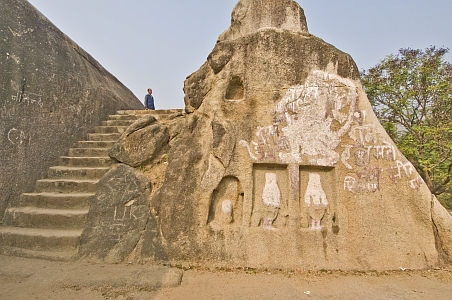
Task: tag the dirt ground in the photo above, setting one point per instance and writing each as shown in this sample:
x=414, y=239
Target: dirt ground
x=22, y=278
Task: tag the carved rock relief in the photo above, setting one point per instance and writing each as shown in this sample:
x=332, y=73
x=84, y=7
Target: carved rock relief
x=274, y=205
x=308, y=122
x=316, y=200
x=271, y=197
x=308, y=125
x=317, y=197
x=271, y=193
x=226, y=204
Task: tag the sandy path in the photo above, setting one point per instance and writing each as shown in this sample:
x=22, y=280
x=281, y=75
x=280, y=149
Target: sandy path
x=38, y=279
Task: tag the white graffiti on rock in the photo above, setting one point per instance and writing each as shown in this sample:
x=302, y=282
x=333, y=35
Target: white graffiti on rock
x=308, y=122
x=373, y=160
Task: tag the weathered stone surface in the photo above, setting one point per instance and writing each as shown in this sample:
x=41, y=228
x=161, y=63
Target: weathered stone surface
x=283, y=164
x=141, y=142
x=196, y=88
x=442, y=222
x=52, y=94
x=140, y=124
x=249, y=16
x=118, y=215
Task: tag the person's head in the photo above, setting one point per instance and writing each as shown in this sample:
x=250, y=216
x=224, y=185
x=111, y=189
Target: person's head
x=149, y=91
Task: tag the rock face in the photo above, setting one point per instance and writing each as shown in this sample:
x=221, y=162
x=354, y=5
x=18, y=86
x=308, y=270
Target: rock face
x=53, y=93
x=118, y=215
x=283, y=164
x=250, y=16
x=141, y=142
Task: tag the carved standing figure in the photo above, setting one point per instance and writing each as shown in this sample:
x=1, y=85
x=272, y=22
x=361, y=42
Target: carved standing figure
x=316, y=200
x=271, y=197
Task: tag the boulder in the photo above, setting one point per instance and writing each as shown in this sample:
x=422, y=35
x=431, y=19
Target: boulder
x=118, y=215
x=442, y=222
x=283, y=164
x=250, y=16
x=141, y=142
x=53, y=93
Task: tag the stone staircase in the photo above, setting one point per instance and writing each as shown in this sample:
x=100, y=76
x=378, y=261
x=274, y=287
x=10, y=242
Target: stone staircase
x=48, y=222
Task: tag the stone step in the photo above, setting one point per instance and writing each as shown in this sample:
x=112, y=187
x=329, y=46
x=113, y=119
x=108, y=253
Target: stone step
x=118, y=122
x=129, y=112
x=66, y=186
x=103, y=137
x=34, y=217
x=92, y=162
x=40, y=239
x=63, y=172
x=110, y=129
x=69, y=255
x=48, y=223
x=88, y=152
x=122, y=117
x=151, y=112
x=96, y=144
x=57, y=200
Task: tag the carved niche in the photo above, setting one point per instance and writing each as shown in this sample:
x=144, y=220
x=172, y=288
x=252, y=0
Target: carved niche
x=270, y=196
x=317, y=196
x=226, y=205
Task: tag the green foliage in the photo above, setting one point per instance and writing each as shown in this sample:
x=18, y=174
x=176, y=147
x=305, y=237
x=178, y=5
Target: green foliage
x=411, y=93
x=175, y=137
x=446, y=200
x=143, y=169
x=165, y=158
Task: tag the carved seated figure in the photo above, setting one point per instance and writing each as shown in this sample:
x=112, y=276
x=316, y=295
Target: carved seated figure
x=226, y=212
x=271, y=198
x=226, y=205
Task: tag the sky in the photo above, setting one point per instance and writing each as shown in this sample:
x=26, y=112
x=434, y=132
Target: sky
x=158, y=43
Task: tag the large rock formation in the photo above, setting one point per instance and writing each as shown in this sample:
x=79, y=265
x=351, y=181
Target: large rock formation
x=53, y=92
x=250, y=16
x=141, y=142
x=283, y=164
x=118, y=214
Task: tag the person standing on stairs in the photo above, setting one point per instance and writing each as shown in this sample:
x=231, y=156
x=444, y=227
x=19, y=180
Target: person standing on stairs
x=149, y=101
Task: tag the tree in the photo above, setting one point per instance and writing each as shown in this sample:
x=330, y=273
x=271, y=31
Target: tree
x=411, y=93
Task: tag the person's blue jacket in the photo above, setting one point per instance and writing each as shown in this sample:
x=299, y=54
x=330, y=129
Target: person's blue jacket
x=149, y=102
